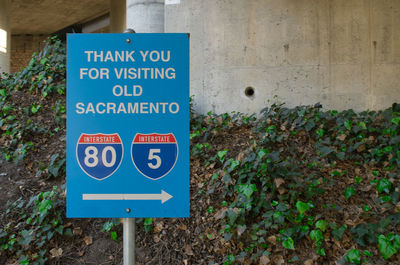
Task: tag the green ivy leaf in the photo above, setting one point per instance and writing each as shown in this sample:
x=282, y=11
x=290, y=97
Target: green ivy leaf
x=385, y=247
x=367, y=253
x=114, y=236
x=262, y=153
x=358, y=180
x=348, y=125
x=234, y=164
x=316, y=235
x=362, y=125
x=320, y=132
x=221, y=154
x=366, y=208
x=349, y=192
x=26, y=237
x=321, y=251
x=384, y=185
x=35, y=109
x=354, y=256
x=396, y=120
x=247, y=189
x=396, y=241
x=321, y=225
x=288, y=243
x=107, y=226
x=230, y=259
x=302, y=207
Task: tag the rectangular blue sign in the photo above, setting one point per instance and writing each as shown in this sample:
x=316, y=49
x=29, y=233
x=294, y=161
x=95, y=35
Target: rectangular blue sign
x=128, y=125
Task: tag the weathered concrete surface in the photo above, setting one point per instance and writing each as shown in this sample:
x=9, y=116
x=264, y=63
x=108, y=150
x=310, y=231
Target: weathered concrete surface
x=48, y=16
x=5, y=32
x=145, y=16
x=342, y=53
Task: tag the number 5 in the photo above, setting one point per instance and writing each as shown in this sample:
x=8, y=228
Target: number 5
x=152, y=156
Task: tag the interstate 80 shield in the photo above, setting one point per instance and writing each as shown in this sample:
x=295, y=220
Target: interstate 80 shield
x=154, y=155
x=99, y=155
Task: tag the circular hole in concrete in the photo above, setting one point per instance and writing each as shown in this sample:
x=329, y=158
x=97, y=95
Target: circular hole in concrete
x=249, y=91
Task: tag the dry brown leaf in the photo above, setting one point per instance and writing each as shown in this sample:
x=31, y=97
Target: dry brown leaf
x=282, y=191
x=240, y=156
x=309, y=262
x=279, y=260
x=366, y=188
x=264, y=260
x=56, y=252
x=88, y=240
x=349, y=222
x=272, y=239
x=29, y=165
x=158, y=227
x=183, y=227
x=188, y=250
x=279, y=182
x=361, y=148
x=220, y=214
x=77, y=231
x=342, y=137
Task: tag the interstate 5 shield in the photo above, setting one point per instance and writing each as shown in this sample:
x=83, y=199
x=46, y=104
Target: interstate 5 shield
x=154, y=155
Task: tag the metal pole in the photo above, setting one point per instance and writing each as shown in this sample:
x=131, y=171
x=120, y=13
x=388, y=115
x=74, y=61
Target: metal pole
x=129, y=226
x=129, y=241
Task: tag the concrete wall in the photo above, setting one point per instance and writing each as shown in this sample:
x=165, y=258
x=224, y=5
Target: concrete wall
x=342, y=53
x=5, y=26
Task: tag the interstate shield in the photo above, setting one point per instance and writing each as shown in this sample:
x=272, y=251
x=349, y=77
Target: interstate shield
x=154, y=155
x=99, y=155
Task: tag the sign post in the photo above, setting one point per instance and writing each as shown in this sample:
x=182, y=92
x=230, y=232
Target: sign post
x=129, y=241
x=128, y=127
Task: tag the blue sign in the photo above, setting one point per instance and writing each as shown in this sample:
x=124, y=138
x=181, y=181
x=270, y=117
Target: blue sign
x=128, y=92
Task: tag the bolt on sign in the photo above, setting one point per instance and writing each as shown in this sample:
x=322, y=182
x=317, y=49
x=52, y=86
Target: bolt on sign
x=128, y=125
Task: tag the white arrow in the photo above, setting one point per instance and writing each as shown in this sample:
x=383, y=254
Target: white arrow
x=136, y=197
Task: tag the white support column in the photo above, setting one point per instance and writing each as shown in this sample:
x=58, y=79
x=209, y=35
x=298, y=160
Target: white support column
x=5, y=36
x=145, y=16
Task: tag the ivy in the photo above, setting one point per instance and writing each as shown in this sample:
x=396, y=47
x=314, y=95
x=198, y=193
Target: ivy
x=275, y=185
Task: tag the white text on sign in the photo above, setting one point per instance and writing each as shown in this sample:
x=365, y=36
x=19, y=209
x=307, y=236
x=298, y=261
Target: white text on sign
x=150, y=72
